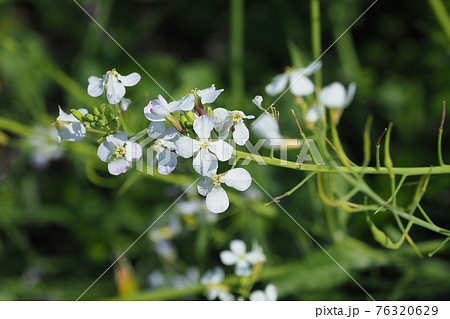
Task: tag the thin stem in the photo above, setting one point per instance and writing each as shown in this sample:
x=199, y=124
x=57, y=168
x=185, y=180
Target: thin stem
x=237, y=50
x=316, y=37
x=442, y=15
x=441, y=130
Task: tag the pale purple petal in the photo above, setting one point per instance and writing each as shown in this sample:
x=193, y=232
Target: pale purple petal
x=204, y=162
x=133, y=151
x=118, y=166
x=167, y=161
x=105, y=151
x=205, y=185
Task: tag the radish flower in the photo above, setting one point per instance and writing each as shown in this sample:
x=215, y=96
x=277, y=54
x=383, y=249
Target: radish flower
x=164, y=147
x=205, y=152
x=298, y=81
x=225, y=120
x=69, y=128
x=237, y=255
x=157, y=110
x=114, y=83
x=212, y=279
x=206, y=96
x=211, y=187
x=119, y=152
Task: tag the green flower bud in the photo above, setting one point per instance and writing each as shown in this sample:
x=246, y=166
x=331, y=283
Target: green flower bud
x=96, y=111
x=190, y=116
x=90, y=117
x=101, y=123
x=77, y=114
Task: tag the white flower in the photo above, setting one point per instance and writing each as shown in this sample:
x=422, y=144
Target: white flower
x=157, y=110
x=124, y=104
x=266, y=126
x=206, y=96
x=45, y=146
x=237, y=255
x=335, y=96
x=164, y=146
x=69, y=127
x=211, y=187
x=257, y=100
x=313, y=114
x=205, y=152
x=114, y=84
x=212, y=279
x=224, y=120
x=299, y=84
x=269, y=294
x=166, y=250
x=119, y=152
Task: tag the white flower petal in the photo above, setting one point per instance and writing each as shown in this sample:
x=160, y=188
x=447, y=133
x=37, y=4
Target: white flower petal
x=96, y=86
x=313, y=114
x=167, y=161
x=271, y=292
x=124, y=104
x=217, y=200
x=185, y=104
x=257, y=295
x=157, y=110
x=133, y=151
x=266, y=127
x=221, y=149
x=209, y=95
x=312, y=68
x=300, y=84
x=240, y=133
x=277, y=85
x=228, y=258
x=333, y=96
x=130, y=79
x=186, y=146
x=105, y=151
x=205, y=185
x=242, y=270
x=204, y=162
x=238, y=247
x=114, y=89
x=238, y=178
x=203, y=126
x=221, y=116
x=156, y=130
x=118, y=166
x=350, y=93
x=118, y=139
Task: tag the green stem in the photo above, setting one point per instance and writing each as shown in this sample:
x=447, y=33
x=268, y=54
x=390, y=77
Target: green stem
x=237, y=50
x=442, y=15
x=316, y=37
x=264, y=160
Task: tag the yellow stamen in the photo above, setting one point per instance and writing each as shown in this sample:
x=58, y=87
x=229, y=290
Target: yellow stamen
x=120, y=151
x=205, y=144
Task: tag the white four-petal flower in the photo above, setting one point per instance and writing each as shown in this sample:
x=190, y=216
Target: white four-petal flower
x=224, y=120
x=211, y=187
x=69, y=127
x=119, y=152
x=206, y=96
x=313, y=114
x=298, y=81
x=158, y=109
x=114, y=83
x=238, y=255
x=205, y=152
x=212, y=279
x=335, y=96
x=269, y=294
x=164, y=146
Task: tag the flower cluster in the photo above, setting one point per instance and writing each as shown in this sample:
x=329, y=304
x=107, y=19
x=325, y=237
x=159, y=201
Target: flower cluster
x=247, y=265
x=183, y=128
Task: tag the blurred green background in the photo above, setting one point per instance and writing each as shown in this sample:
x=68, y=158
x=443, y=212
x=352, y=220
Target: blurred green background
x=62, y=225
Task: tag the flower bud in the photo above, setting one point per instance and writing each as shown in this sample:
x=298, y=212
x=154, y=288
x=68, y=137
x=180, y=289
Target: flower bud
x=209, y=111
x=96, y=111
x=90, y=117
x=79, y=116
x=185, y=122
x=101, y=123
x=175, y=122
x=190, y=116
x=199, y=109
